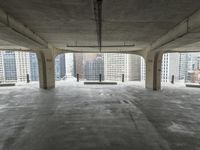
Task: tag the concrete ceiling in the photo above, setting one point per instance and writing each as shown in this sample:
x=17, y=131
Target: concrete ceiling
x=62, y=22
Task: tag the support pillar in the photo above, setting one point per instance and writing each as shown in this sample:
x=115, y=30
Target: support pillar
x=153, y=71
x=46, y=69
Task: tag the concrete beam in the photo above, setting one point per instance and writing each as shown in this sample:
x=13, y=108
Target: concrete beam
x=15, y=32
x=186, y=32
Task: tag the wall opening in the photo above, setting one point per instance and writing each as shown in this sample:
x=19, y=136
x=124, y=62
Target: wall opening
x=18, y=67
x=180, y=69
x=89, y=66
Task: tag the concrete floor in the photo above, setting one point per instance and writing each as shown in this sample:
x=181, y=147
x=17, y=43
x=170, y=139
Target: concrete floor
x=102, y=117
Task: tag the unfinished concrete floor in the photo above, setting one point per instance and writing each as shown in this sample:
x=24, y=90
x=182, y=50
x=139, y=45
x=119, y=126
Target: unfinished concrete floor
x=101, y=117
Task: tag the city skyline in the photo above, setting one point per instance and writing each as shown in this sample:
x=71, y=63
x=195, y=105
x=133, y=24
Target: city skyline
x=14, y=66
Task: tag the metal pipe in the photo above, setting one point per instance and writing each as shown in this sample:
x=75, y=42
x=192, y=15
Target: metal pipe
x=94, y=46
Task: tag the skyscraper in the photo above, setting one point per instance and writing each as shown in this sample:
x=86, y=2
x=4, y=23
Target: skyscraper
x=165, y=68
x=2, y=77
x=69, y=65
x=134, y=68
x=94, y=67
x=173, y=66
x=143, y=69
x=78, y=65
x=117, y=64
x=60, y=66
x=10, y=70
x=15, y=65
x=183, y=66
x=193, y=67
x=34, y=67
x=22, y=65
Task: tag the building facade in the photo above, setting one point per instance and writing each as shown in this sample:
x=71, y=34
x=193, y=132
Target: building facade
x=116, y=65
x=69, y=65
x=2, y=76
x=165, y=68
x=34, y=67
x=94, y=68
x=134, y=68
x=143, y=69
x=79, y=65
x=16, y=65
x=60, y=67
x=10, y=70
x=22, y=65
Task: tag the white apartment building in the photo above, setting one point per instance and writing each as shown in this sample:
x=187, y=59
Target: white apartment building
x=14, y=66
x=2, y=77
x=117, y=64
x=143, y=69
x=165, y=68
x=69, y=66
x=22, y=65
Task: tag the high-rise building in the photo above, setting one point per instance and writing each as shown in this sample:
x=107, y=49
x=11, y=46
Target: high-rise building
x=22, y=65
x=10, y=70
x=134, y=68
x=60, y=66
x=114, y=66
x=183, y=66
x=88, y=65
x=173, y=66
x=193, y=67
x=78, y=65
x=15, y=65
x=57, y=68
x=69, y=65
x=2, y=77
x=117, y=64
x=165, y=68
x=179, y=65
x=94, y=68
x=143, y=69
x=34, y=67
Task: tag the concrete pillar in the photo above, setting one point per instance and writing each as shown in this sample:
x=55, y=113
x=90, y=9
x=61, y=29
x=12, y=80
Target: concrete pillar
x=46, y=69
x=153, y=70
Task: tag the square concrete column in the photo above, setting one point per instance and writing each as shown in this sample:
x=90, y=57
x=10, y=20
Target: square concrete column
x=46, y=69
x=153, y=71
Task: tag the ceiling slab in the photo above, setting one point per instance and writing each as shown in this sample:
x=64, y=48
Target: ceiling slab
x=62, y=22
